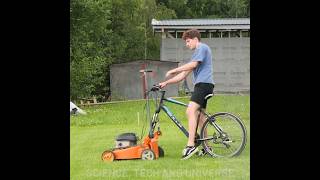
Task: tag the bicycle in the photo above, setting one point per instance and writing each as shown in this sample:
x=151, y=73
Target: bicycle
x=222, y=135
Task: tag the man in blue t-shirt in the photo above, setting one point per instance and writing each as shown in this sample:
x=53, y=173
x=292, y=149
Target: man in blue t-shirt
x=201, y=66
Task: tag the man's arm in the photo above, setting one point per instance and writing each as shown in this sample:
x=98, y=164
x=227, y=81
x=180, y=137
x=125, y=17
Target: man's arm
x=187, y=67
x=176, y=78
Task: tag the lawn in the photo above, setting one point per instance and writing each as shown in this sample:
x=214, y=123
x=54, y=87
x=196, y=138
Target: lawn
x=95, y=132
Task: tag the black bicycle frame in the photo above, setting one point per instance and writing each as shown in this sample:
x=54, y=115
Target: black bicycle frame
x=170, y=114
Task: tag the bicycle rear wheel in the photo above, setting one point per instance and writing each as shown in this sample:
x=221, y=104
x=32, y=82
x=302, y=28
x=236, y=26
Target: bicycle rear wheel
x=223, y=135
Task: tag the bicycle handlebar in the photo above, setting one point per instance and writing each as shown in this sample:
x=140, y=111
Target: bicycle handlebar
x=155, y=88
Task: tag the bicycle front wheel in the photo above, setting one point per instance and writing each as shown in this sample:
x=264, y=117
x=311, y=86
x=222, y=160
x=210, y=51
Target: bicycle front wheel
x=223, y=135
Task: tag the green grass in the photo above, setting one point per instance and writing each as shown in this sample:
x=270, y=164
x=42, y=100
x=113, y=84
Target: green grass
x=94, y=133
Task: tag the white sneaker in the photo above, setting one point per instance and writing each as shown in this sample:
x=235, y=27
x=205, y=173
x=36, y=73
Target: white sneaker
x=188, y=152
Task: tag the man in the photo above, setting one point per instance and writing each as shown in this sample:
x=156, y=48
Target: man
x=201, y=66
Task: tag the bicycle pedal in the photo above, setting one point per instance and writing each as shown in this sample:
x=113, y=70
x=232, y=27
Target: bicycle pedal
x=227, y=141
x=201, y=152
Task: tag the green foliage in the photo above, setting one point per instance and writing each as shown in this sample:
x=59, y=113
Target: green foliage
x=208, y=8
x=89, y=53
x=131, y=24
x=109, y=31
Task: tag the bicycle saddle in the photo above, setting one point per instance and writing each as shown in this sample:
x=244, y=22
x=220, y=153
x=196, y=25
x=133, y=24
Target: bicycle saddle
x=208, y=96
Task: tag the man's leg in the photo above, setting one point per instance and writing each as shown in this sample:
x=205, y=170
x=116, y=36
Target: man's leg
x=192, y=114
x=201, y=122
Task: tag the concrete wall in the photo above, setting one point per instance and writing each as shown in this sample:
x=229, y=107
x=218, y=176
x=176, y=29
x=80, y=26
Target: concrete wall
x=231, y=61
x=128, y=83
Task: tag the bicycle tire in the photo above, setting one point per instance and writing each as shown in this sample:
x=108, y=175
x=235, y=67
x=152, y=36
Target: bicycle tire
x=220, y=143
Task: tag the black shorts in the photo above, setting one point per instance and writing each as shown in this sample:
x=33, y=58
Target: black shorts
x=201, y=90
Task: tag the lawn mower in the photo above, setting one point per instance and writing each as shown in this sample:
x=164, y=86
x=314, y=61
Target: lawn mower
x=127, y=147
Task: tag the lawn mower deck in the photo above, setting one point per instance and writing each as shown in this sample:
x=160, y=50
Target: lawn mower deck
x=126, y=148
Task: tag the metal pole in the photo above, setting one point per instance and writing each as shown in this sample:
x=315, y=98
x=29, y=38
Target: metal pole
x=145, y=41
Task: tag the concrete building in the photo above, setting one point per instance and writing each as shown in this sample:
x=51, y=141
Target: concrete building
x=128, y=81
x=229, y=40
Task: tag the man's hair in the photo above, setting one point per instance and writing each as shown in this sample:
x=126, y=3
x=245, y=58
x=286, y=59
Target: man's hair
x=192, y=33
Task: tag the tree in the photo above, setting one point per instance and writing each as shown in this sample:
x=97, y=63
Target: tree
x=208, y=8
x=109, y=31
x=89, y=50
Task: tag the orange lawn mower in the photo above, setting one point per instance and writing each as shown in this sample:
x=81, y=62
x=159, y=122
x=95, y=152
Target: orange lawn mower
x=127, y=147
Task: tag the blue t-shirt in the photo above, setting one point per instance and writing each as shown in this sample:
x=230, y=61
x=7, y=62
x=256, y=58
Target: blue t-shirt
x=203, y=72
